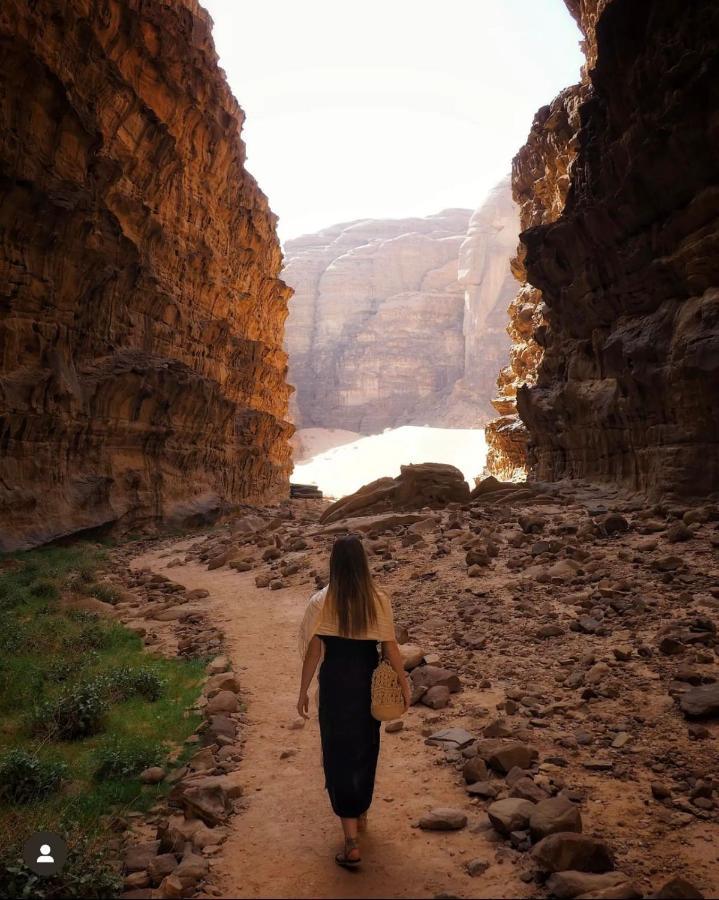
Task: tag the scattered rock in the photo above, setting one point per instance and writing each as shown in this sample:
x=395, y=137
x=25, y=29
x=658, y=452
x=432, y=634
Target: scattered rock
x=443, y=818
x=567, y=850
x=510, y=815
x=700, y=702
x=436, y=697
x=153, y=775
x=554, y=815
x=476, y=867
x=567, y=885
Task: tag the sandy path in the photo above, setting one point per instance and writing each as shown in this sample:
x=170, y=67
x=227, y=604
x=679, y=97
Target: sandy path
x=283, y=844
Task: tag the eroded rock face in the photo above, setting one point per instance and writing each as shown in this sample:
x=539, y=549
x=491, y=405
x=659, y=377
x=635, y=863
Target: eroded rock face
x=627, y=267
x=398, y=322
x=540, y=181
x=418, y=485
x=141, y=370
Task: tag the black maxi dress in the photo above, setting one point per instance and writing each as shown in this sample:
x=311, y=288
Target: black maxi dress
x=349, y=734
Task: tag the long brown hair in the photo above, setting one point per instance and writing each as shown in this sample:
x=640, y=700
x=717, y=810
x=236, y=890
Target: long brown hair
x=351, y=592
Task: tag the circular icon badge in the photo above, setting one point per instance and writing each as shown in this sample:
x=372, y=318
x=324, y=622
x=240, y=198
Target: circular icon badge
x=45, y=853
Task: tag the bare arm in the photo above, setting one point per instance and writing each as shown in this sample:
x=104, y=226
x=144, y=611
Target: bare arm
x=312, y=657
x=390, y=650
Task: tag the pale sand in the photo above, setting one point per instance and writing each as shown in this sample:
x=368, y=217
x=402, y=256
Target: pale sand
x=345, y=468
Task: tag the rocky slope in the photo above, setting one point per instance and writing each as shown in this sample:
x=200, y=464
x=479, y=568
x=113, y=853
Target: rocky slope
x=562, y=652
x=624, y=255
x=399, y=321
x=142, y=373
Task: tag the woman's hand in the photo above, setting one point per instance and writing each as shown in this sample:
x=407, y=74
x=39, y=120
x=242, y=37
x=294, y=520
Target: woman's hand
x=303, y=706
x=406, y=692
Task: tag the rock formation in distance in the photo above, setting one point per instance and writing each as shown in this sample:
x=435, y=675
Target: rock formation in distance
x=142, y=374
x=618, y=187
x=400, y=321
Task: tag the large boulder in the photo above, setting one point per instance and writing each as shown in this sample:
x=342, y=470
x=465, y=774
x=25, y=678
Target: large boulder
x=418, y=485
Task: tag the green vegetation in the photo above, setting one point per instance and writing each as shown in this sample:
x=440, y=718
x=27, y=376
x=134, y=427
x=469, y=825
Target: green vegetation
x=83, y=709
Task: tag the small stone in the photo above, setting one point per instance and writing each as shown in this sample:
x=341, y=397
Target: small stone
x=483, y=789
x=567, y=850
x=436, y=697
x=701, y=701
x=567, y=885
x=222, y=702
x=614, y=523
x=394, y=727
x=677, y=889
x=411, y=655
x=450, y=738
x=217, y=665
x=660, y=791
x=620, y=740
x=554, y=815
x=503, y=756
x=474, y=770
x=678, y=533
x=443, y=818
x=152, y=775
x=509, y=815
x=477, y=867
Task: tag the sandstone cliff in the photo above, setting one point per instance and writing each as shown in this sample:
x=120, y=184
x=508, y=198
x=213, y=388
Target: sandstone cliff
x=141, y=369
x=624, y=254
x=400, y=321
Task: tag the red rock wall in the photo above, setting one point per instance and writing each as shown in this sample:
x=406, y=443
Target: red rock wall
x=142, y=373
x=628, y=267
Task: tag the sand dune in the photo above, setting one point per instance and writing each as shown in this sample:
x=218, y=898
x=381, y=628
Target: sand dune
x=344, y=468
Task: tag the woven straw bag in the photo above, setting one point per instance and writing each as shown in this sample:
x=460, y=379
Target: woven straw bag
x=387, y=699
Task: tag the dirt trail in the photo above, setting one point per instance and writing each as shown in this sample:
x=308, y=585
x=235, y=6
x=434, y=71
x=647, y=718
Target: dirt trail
x=283, y=843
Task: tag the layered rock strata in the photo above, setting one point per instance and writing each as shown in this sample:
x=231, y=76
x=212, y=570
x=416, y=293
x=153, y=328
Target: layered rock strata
x=418, y=485
x=627, y=262
x=142, y=373
x=399, y=322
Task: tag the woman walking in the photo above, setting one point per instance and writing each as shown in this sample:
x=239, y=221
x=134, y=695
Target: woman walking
x=342, y=626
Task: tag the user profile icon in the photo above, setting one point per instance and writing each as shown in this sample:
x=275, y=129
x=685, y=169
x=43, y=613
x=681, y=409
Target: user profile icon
x=45, y=852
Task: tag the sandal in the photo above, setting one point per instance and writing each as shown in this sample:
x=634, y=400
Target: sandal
x=362, y=822
x=343, y=859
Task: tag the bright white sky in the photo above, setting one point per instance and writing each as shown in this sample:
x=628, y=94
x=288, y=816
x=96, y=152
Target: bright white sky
x=388, y=108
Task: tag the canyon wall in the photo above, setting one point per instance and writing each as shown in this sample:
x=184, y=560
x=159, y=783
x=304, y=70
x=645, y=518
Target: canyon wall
x=620, y=258
x=400, y=321
x=142, y=374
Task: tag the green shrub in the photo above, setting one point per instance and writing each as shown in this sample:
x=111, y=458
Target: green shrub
x=93, y=636
x=121, y=758
x=60, y=670
x=24, y=777
x=108, y=593
x=126, y=682
x=83, y=616
x=44, y=588
x=13, y=633
x=78, y=712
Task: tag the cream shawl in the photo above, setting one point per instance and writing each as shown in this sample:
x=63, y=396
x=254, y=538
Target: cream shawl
x=321, y=621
